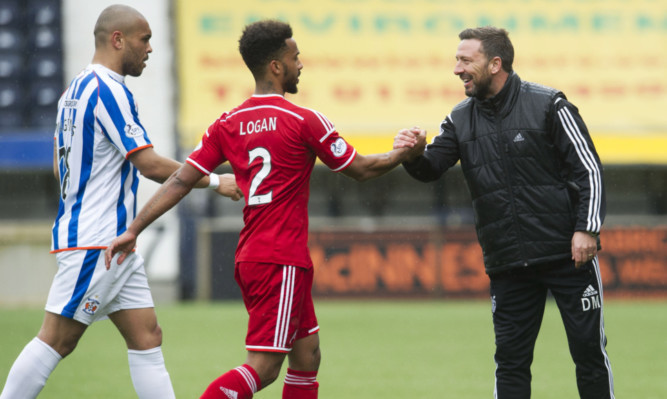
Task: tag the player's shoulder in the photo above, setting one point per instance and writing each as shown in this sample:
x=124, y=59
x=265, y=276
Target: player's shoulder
x=540, y=91
x=537, y=88
x=287, y=107
x=92, y=82
x=256, y=103
x=312, y=116
x=463, y=105
x=108, y=86
x=544, y=97
x=228, y=115
x=86, y=80
x=461, y=111
x=106, y=75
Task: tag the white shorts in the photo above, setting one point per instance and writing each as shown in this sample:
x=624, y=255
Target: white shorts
x=84, y=290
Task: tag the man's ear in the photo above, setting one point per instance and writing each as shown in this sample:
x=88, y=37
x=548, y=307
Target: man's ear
x=276, y=67
x=117, y=40
x=496, y=65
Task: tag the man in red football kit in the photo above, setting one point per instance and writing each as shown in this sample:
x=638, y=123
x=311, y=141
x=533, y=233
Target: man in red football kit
x=272, y=145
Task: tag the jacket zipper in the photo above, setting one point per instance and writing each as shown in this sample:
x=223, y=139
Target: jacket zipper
x=504, y=154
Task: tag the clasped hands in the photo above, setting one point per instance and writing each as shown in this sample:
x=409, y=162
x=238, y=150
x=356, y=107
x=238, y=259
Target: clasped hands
x=413, y=140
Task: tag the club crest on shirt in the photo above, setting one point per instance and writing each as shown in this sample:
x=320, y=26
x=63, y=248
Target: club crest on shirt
x=133, y=130
x=91, y=305
x=339, y=147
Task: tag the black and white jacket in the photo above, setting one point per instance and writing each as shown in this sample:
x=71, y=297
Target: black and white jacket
x=532, y=170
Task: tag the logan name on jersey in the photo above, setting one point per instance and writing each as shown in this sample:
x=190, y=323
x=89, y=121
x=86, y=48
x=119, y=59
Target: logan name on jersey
x=258, y=126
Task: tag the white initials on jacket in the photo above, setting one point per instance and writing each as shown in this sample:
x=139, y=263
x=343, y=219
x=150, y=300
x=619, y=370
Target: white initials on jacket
x=259, y=126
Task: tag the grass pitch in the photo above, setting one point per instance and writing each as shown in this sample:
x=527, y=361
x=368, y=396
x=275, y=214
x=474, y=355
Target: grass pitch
x=370, y=349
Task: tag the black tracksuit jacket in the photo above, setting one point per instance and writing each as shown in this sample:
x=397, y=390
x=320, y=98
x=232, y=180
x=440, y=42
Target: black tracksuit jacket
x=532, y=169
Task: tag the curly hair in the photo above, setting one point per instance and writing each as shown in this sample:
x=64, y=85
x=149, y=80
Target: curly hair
x=495, y=43
x=262, y=42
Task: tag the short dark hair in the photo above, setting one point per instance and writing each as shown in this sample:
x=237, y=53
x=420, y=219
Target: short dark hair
x=262, y=42
x=495, y=43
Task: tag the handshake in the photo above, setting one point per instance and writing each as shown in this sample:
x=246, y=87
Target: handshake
x=411, y=141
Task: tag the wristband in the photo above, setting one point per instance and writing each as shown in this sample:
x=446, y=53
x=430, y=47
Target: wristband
x=214, y=181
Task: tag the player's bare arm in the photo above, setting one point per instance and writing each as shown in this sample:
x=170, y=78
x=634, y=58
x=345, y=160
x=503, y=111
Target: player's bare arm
x=179, y=184
x=159, y=168
x=366, y=167
x=56, y=172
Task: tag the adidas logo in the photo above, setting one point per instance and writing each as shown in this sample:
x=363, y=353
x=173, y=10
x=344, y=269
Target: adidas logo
x=590, y=299
x=230, y=394
x=518, y=137
x=590, y=291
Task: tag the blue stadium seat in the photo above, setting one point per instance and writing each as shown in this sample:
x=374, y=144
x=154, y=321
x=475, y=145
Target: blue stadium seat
x=43, y=106
x=31, y=64
x=11, y=14
x=44, y=38
x=11, y=39
x=12, y=102
x=44, y=65
x=11, y=65
x=43, y=12
x=45, y=92
x=12, y=96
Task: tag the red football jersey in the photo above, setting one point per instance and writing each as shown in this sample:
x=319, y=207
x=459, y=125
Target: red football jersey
x=272, y=145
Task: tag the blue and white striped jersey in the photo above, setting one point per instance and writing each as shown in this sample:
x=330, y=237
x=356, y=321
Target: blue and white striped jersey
x=96, y=129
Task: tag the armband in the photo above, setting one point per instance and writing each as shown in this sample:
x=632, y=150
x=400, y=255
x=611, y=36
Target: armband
x=214, y=181
x=592, y=234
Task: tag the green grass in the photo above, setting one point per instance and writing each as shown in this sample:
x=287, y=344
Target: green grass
x=371, y=349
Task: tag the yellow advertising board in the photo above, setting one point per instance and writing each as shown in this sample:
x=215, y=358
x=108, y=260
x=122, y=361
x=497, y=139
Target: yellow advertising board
x=375, y=66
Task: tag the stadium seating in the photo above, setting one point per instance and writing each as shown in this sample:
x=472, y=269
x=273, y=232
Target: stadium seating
x=11, y=96
x=43, y=98
x=31, y=66
x=11, y=14
x=11, y=66
x=45, y=65
x=12, y=102
x=43, y=12
x=11, y=39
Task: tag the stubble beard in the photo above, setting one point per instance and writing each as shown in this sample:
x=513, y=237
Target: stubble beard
x=481, y=89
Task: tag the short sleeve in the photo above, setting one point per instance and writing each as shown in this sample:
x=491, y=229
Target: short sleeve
x=208, y=154
x=117, y=115
x=326, y=143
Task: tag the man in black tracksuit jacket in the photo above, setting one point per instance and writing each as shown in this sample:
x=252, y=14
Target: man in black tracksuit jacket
x=536, y=185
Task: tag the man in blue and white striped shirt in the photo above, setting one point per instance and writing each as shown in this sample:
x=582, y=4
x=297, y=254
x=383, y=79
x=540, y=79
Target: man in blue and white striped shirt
x=100, y=147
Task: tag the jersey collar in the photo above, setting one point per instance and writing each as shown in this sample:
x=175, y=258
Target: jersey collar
x=113, y=75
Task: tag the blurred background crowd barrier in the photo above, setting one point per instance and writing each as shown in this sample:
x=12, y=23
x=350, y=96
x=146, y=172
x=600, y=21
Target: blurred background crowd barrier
x=373, y=67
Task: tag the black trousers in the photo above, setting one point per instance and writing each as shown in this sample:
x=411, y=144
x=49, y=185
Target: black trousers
x=518, y=300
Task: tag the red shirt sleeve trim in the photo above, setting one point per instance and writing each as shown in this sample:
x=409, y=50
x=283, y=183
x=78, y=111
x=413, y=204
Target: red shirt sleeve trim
x=347, y=163
x=198, y=166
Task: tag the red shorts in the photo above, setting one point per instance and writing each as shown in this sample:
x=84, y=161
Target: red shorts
x=279, y=301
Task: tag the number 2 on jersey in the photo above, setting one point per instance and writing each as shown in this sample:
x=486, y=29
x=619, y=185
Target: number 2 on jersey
x=265, y=156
